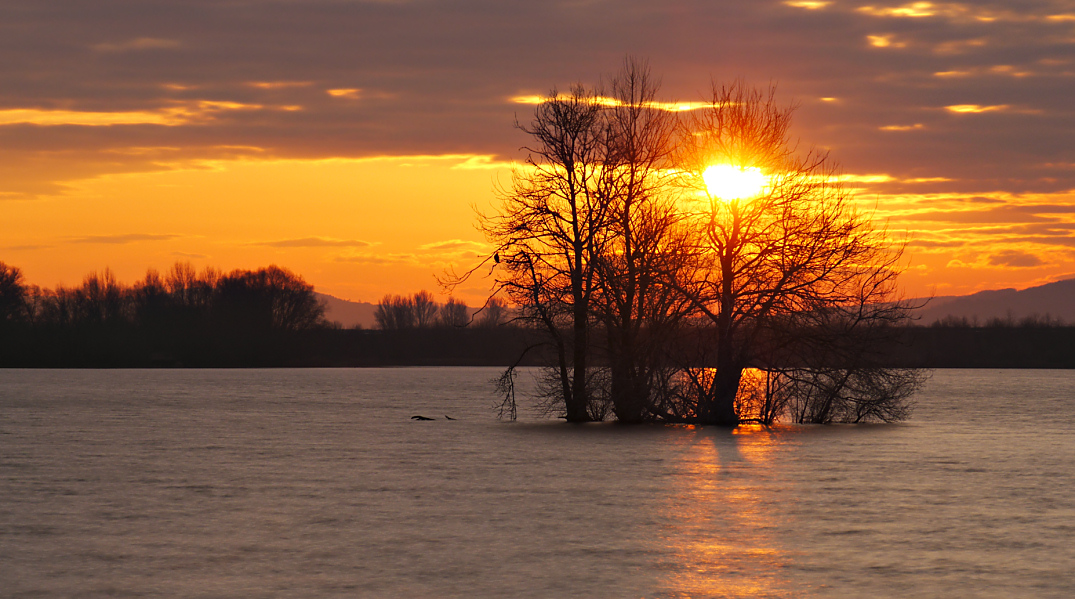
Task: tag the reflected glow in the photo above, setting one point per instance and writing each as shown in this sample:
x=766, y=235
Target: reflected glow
x=730, y=182
x=720, y=534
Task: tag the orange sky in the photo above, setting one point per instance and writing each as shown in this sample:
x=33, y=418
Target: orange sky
x=349, y=141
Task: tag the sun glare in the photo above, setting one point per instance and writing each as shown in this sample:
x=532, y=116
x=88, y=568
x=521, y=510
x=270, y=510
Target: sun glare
x=730, y=182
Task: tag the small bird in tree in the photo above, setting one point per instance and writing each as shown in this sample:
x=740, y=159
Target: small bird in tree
x=496, y=257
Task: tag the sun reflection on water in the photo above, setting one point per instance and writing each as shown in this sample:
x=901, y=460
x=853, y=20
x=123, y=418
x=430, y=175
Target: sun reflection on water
x=721, y=523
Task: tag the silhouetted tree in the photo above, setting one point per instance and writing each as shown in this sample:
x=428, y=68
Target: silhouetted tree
x=611, y=224
x=12, y=295
x=794, y=265
x=493, y=313
x=395, y=312
x=101, y=299
x=425, y=309
x=551, y=224
x=269, y=298
x=454, y=313
x=647, y=246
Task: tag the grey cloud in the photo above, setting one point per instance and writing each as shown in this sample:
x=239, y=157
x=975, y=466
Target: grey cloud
x=435, y=76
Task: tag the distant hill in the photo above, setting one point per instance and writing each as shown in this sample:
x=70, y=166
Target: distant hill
x=349, y=314
x=1057, y=300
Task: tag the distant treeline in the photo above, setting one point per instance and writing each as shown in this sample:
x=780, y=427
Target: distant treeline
x=421, y=310
x=270, y=317
x=184, y=316
x=1008, y=321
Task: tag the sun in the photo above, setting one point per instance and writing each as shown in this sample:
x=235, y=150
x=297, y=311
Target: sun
x=730, y=182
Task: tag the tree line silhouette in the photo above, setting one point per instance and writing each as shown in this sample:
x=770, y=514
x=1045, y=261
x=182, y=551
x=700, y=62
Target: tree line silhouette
x=269, y=317
x=183, y=316
x=264, y=317
x=421, y=310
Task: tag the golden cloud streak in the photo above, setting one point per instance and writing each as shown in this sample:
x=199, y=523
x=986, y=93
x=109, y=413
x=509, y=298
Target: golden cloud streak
x=613, y=102
x=884, y=41
x=913, y=10
x=351, y=93
x=168, y=117
x=807, y=4
x=278, y=84
x=975, y=108
x=913, y=127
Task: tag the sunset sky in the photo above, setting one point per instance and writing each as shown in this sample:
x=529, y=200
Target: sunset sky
x=349, y=140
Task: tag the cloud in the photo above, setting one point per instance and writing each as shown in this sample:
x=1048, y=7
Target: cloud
x=123, y=239
x=278, y=84
x=975, y=108
x=807, y=4
x=453, y=245
x=379, y=260
x=487, y=162
x=312, y=242
x=141, y=43
x=613, y=102
x=28, y=247
x=912, y=10
x=189, y=255
x=887, y=40
x=181, y=113
x=914, y=127
x=1014, y=259
x=446, y=74
x=928, y=244
x=349, y=93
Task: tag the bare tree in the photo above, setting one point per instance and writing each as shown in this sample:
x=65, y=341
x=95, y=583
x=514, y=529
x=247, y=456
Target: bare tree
x=425, y=309
x=101, y=299
x=551, y=224
x=12, y=294
x=454, y=313
x=618, y=224
x=395, y=313
x=647, y=243
x=268, y=298
x=493, y=313
x=795, y=256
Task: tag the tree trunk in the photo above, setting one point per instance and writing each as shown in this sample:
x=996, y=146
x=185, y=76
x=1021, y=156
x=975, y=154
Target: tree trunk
x=629, y=394
x=579, y=401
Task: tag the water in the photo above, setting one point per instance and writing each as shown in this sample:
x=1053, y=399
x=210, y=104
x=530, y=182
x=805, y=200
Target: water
x=316, y=483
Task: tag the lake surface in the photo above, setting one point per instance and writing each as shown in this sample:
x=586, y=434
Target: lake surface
x=316, y=483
